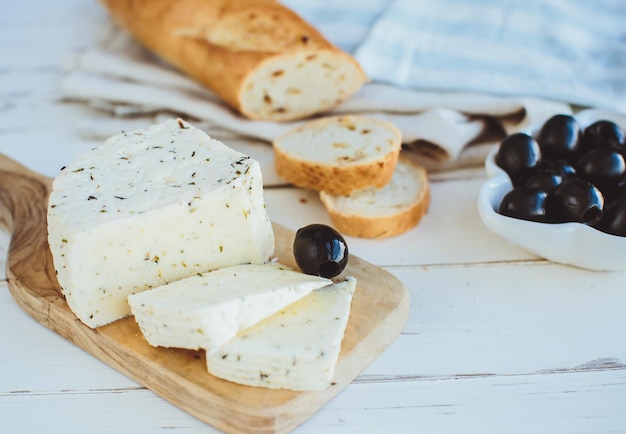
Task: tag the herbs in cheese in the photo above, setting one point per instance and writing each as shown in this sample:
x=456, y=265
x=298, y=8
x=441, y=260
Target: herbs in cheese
x=148, y=208
x=206, y=310
x=296, y=348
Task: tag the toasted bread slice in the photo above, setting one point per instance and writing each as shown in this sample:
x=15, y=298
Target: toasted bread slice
x=382, y=212
x=339, y=154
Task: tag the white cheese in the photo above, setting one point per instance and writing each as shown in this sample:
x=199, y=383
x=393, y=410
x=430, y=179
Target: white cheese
x=207, y=310
x=150, y=207
x=296, y=348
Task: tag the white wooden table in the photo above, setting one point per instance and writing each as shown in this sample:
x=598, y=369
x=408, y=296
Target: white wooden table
x=497, y=340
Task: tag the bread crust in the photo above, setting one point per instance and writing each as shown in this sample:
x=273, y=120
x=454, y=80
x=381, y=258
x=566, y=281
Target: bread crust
x=382, y=226
x=333, y=179
x=347, y=175
x=223, y=43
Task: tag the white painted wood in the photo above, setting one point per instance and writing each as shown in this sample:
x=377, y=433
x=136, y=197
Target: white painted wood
x=559, y=403
x=497, y=340
x=552, y=403
x=450, y=233
x=136, y=411
x=36, y=360
x=508, y=320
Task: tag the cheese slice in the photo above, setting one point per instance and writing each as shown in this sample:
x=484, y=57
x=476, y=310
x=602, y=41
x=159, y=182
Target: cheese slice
x=297, y=348
x=206, y=310
x=150, y=207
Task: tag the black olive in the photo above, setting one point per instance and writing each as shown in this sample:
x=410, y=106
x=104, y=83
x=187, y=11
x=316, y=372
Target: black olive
x=543, y=179
x=604, y=168
x=527, y=203
x=614, y=218
x=575, y=200
x=614, y=191
x=602, y=134
x=558, y=166
x=320, y=250
x=567, y=174
x=558, y=137
x=517, y=155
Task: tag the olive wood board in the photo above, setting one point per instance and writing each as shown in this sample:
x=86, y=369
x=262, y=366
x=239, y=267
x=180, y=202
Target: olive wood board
x=379, y=312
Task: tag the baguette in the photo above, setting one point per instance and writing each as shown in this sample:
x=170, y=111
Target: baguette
x=338, y=154
x=385, y=212
x=258, y=56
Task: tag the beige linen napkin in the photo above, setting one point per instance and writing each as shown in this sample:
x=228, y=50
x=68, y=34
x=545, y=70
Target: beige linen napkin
x=129, y=87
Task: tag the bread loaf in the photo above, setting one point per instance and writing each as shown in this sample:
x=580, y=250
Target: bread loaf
x=384, y=212
x=339, y=154
x=259, y=56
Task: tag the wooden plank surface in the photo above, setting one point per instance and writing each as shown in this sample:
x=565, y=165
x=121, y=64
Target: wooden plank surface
x=379, y=312
x=497, y=341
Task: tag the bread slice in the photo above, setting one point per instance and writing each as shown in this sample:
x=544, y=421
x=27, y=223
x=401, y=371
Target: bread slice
x=339, y=154
x=259, y=56
x=384, y=212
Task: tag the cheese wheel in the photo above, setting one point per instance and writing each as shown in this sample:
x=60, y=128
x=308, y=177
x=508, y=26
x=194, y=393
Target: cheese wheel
x=149, y=207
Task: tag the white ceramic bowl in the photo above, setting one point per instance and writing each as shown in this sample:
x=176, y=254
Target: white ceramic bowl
x=568, y=243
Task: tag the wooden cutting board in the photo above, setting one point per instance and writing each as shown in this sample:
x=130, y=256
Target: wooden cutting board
x=379, y=312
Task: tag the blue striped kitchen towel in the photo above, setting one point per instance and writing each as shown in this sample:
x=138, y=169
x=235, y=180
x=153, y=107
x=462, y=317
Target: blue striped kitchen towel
x=345, y=22
x=572, y=51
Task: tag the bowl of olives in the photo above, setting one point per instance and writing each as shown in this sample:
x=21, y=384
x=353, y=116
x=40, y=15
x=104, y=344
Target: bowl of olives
x=558, y=190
